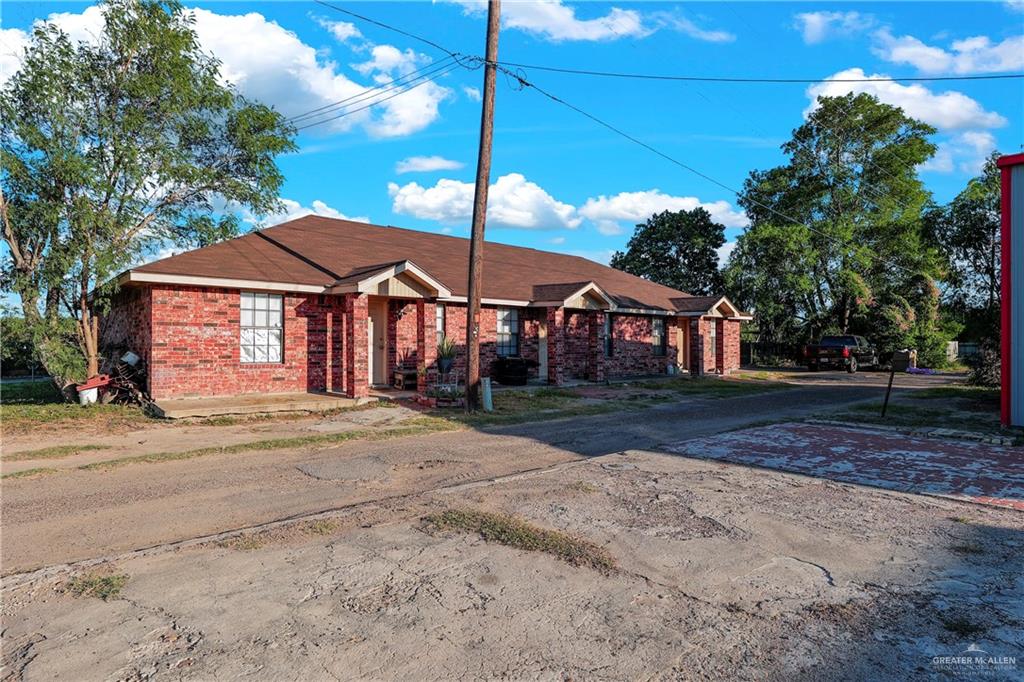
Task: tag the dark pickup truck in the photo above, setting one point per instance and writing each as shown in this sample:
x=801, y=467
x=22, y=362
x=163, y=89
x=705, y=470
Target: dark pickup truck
x=850, y=352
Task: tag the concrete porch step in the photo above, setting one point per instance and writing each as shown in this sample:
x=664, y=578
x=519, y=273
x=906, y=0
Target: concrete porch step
x=255, y=403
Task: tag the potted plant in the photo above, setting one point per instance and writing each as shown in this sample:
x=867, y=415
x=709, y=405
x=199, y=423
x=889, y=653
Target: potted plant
x=445, y=355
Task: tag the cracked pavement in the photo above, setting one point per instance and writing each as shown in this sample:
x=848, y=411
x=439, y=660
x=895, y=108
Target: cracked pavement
x=723, y=571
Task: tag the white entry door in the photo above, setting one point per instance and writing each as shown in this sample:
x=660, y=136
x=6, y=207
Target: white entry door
x=377, y=330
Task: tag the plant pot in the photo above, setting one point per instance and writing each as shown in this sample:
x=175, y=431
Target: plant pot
x=444, y=365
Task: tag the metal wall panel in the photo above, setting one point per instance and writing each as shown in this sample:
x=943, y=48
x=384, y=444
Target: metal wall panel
x=1017, y=299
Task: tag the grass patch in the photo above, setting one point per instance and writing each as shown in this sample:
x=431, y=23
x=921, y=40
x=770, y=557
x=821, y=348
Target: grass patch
x=29, y=473
x=582, y=487
x=105, y=587
x=27, y=405
x=55, y=452
x=514, y=532
x=927, y=414
x=981, y=398
x=962, y=626
x=245, y=543
x=712, y=387
x=413, y=427
x=518, y=407
x=235, y=420
x=320, y=527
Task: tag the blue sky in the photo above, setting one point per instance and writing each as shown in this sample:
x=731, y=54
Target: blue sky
x=559, y=182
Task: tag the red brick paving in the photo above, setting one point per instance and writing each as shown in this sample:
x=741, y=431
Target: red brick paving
x=976, y=472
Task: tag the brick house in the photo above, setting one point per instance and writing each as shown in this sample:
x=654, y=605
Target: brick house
x=318, y=304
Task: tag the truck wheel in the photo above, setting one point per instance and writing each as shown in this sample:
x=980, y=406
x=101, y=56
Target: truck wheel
x=852, y=367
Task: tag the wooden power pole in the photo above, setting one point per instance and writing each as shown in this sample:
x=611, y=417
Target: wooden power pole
x=483, y=179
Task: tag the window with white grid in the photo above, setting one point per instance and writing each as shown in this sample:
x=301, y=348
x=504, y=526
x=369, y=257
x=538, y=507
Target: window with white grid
x=508, y=332
x=262, y=333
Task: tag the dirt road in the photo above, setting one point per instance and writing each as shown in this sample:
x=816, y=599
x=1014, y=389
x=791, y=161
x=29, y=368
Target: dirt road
x=82, y=514
x=721, y=572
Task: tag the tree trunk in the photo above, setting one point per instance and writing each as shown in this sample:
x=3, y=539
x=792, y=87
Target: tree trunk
x=89, y=333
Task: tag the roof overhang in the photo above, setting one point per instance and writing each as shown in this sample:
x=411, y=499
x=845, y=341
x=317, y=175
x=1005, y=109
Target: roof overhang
x=589, y=291
x=136, y=277
x=723, y=307
x=369, y=282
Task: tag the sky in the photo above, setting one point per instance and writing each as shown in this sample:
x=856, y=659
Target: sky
x=559, y=181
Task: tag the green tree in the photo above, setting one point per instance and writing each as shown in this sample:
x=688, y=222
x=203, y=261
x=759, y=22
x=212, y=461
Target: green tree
x=677, y=249
x=968, y=230
x=837, y=241
x=115, y=147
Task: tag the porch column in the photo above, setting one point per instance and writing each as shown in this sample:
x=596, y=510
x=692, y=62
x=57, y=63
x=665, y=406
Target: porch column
x=426, y=341
x=719, y=345
x=696, y=348
x=595, y=345
x=556, y=346
x=357, y=346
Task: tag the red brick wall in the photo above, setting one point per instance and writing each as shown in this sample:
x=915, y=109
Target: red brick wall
x=577, y=344
x=189, y=338
x=632, y=350
x=455, y=328
x=128, y=325
x=195, y=350
x=731, y=345
x=402, y=348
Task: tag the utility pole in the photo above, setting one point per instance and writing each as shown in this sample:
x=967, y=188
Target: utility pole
x=483, y=179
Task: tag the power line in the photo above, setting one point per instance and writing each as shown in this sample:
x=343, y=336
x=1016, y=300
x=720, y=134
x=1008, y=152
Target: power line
x=733, y=79
x=524, y=83
x=379, y=100
x=383, y=87
x=389, y=27
x=618, y=131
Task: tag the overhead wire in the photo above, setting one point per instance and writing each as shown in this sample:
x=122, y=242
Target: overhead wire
x=382, y=87
x=380, y=100
x=524, y=82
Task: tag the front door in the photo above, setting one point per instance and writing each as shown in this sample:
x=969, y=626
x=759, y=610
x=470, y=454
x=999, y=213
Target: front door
x=377, y=330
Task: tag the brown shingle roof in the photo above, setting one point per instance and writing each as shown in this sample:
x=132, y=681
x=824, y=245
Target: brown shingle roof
x=320, y=251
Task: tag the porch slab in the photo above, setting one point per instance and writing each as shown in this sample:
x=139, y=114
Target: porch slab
x=255, y=403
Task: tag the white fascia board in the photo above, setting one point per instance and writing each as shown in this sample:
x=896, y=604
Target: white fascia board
x=224, y=283
x=369, y=284
x=509, y=302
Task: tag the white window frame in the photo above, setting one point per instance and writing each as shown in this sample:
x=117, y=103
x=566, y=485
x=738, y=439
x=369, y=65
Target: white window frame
x=261, y=328
x=507, y=327
x=439, y=321
x=659, y=341
x=609, y=326
x=713, y=337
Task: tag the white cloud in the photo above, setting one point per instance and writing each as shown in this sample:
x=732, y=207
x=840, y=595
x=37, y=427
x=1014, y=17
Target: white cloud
x=472, y=93
x=12, y=45
x=512, y=201
x=425, y=164
x=271, y=64
x=687, y=27
x=342, y=31
x=555, y=21
x=556, y=240
x=817, y=27
x=386, y=59
x=971, y=55
x=609, y=213
x=966, y=152
x=949, y=110
x=293, y=209
x=724, y=251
